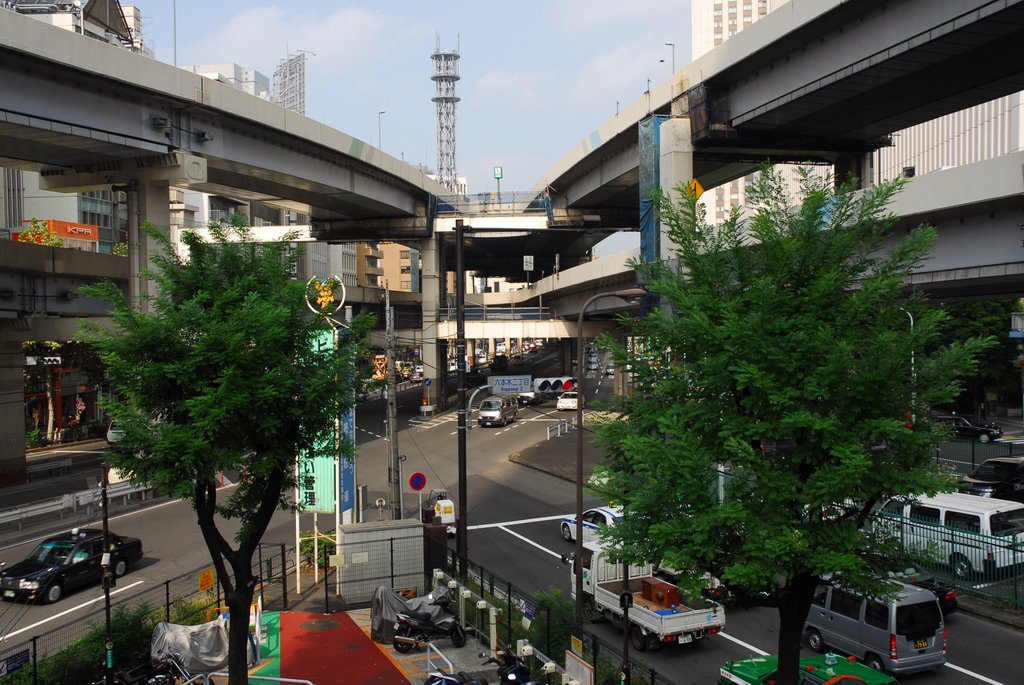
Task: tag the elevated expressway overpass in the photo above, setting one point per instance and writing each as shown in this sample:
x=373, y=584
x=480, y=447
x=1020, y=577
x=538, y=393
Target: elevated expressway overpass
x=820, y=80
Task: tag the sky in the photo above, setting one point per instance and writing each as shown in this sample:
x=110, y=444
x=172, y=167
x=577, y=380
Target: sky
x=537, y=76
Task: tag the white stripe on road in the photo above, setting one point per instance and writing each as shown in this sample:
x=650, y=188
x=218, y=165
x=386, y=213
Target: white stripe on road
x=502, y=524
x=973, y=674
x=529, y=541
x=743, y=644
x=68, y=611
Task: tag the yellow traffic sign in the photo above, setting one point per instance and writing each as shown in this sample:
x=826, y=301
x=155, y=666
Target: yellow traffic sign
x=696, y=188
x=207, y=579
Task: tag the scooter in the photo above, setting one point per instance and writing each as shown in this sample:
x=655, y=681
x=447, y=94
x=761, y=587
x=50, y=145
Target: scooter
x=511, y=669
x=166, y=669
x=413, y=628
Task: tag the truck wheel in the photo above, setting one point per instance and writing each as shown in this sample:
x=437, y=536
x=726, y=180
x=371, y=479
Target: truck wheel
x=588, y=608
x=637, y=639
x=815, y=640
x=566, y=532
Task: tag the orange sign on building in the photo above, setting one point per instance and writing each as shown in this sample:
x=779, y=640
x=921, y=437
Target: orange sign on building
x=73, y=230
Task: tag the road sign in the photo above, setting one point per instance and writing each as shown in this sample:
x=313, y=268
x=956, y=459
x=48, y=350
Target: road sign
x=427, y=382
x=207, y=579
x=510, y=385
x=417, y=481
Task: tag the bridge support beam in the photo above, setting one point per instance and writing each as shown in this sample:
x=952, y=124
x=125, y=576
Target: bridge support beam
x=676, y=166
x=148, y=201
x=432, y=355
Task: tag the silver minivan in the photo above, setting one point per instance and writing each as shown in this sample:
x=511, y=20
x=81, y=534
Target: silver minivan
x=907, y=635
x=497, y=411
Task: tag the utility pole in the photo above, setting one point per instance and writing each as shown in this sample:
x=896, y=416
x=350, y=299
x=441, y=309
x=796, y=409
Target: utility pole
x=461, y=529
x=108, y=580
x=392, y=409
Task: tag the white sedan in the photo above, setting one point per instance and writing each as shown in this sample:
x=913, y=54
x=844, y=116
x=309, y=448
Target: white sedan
x=593, y=520
x=567, y=401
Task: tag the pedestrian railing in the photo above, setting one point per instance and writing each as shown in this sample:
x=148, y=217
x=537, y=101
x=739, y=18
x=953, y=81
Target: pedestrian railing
x=563, y=427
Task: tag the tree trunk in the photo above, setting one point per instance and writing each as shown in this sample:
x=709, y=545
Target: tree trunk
x=792, y=614
x=50, y=406
x=239, y=601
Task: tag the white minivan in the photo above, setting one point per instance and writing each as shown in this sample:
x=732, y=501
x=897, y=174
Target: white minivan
x=972, y=534
x=497, y=411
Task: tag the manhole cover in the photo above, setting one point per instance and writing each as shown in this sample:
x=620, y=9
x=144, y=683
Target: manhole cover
x=319, y=624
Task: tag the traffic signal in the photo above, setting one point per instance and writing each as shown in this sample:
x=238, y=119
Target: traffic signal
x=554, y=384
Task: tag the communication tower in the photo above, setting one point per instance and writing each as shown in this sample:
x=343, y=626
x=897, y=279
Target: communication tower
x=446, y=73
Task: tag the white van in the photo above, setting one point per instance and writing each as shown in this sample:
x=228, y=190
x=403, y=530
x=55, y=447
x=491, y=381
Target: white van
x=972, y=534
x=907, y=635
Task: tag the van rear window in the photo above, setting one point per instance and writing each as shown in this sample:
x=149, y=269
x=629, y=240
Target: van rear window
x=1007, y=522
x=923, y=618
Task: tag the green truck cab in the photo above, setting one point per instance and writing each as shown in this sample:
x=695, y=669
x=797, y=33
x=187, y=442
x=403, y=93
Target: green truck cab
x=823, y=669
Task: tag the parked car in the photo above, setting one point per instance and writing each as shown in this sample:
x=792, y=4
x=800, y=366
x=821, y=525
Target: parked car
x=999, y=477
x=815, y=670
x=114, y=434
x=943, y=591
x=528, y=398
x=567, y=401
x=962, y=428
x=593, y=520
x=66, y=562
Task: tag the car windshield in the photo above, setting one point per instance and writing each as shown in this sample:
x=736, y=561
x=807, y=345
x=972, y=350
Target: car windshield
x=490, y=404
x=1008, y=522
x=51, y=552
x=993, y=470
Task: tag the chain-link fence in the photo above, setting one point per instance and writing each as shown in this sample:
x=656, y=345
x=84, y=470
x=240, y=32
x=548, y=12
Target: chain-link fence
x=51, y=658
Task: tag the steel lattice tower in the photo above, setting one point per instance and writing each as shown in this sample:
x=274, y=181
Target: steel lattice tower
x=446, y=73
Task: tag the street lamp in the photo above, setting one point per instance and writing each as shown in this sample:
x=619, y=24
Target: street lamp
x=379, y=114
x=627, y=294
x=673, y=46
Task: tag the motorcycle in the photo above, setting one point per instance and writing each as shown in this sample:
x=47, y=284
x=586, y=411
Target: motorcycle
x=511, y=669
x=412, y=628
x=166, y=669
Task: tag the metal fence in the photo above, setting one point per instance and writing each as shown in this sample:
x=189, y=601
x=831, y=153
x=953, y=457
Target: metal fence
x=963, y=455
x=182, y=599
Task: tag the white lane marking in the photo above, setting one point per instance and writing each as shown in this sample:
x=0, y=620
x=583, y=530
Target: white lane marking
x=68, y=611
x=529, y=541
x=973, y=674
x=743, y=644
x=481, y=526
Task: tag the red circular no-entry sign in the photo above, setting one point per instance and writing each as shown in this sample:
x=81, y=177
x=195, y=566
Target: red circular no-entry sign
x=417, y=481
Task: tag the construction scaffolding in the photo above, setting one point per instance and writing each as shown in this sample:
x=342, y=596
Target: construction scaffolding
x=290, y=82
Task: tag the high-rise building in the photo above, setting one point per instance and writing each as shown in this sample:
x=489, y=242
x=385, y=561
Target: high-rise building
x=290, y=82
x=243, y=78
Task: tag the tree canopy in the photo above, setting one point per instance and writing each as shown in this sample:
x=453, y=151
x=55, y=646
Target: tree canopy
x=223, y=373
x=780, y=392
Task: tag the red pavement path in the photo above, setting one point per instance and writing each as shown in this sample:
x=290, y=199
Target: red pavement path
x=333, y=650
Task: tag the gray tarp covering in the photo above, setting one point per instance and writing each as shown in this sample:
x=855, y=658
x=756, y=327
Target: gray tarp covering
x=202, y=648
x=386, y=603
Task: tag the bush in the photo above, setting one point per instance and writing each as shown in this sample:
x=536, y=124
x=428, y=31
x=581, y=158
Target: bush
x=325, y=548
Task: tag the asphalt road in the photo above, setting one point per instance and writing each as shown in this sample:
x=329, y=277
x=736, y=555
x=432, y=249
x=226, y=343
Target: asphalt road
x=513, y=516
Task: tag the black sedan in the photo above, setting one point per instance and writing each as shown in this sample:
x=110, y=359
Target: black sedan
x=943, y=591
x=65, y=562
x=962, y=428
x=999, y=477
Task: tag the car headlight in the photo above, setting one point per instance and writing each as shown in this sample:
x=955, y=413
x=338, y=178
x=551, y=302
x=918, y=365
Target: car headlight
x=28, y=584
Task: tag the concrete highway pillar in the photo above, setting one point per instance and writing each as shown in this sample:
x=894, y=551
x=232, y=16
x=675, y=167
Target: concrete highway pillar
x=148, y=201
x=12, y=402
x=435, y=366
x=861, y=165
x=676, y=166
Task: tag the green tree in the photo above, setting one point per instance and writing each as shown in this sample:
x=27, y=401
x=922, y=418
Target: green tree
x=777, y=409
x=224, y=374
x=38, y=231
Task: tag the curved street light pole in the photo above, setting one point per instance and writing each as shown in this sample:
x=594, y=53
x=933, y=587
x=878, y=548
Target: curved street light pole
x=628, y=294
